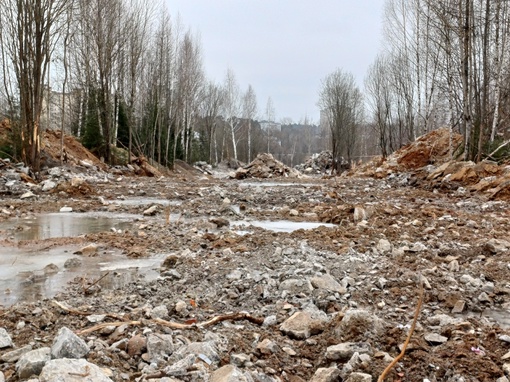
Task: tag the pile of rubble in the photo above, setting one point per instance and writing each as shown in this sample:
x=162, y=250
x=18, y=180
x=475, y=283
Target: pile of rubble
x=317, y=163
x=265, y=166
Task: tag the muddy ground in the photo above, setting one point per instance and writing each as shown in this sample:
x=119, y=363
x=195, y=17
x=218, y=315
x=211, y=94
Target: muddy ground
x=389, y=236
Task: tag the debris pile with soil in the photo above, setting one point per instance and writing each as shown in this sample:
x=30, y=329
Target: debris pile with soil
x=317, y=163
x=265, y=166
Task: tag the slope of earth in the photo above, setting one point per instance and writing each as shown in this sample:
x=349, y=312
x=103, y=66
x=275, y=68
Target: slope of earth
x=240, y=301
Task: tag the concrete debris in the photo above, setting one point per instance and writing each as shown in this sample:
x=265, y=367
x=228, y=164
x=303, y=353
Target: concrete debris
x=265, y=166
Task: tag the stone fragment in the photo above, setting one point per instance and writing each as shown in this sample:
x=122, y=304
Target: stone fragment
x=219, y=222
x=27, y=195
x=384, y=246
x=96, y=318
x=160, y=311
x=301, y=325
x=15, y=355
x=295, y=286
x=504, y=338
x=435, y=339
x=344, y=351
x=48, y=185
x=206, y=348
x=159, y=346
x=359, y=377
x=327, y=282
x=5, y=339
x=354, y=319
x=230, y=373
x=459, y=307
x=330, y=374
x=68, y=345
x=136, y=345
x=32, y=362
x=66, y=209
x=180, y=367
x=267, y=346
x=497, y=246
x=239, y=360
x=88, y=250
x=484, y=297
x=151, y=211
x=72, y=370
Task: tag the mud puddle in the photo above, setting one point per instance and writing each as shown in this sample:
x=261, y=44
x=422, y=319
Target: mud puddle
x=63, y=224
x=31, y=275
x=279, y=225
x=136, y=201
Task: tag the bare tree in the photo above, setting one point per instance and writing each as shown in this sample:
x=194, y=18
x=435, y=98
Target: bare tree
x=249, y=112
x=232, y=107
x=30, y=32
x=209, y=110
x=342, y=102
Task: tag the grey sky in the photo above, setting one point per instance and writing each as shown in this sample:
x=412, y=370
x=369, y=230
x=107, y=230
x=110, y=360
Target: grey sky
x=283, y=48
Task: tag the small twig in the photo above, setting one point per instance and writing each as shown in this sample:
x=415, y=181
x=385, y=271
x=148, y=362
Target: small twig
x=108, y=324
x=94, y=283
x=411, y=330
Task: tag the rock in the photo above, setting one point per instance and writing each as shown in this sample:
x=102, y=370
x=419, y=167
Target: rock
x=88, y=250
x=344, y=351
x=239, y=360
x=180, y=306
x=328, y=283
x=48, y=185
x=359, y=377
x=296, y=286
x=358, y=320
x=219, y=222
x=27, y=195
x=484, y=297
x=5, y=339
x=265, y=166
x=160, y=311
x=15, y=355
x=497, y=246
x=68, y=345
x=206, y=348
x=435, y=339
x=504, y=338
x=180, y=367
x=229, y=373
x=330, y=374
x=301, y=325
x=384, y=246
x=2, y=377
x=96, y=318
x=459, y=307
x=66, y=209
x=267, y=347
x=72, y=370
x=360, y=214
x=151, y=211
x=159, y=346
x=294, y=212
x=32, y=362
x=136, y=345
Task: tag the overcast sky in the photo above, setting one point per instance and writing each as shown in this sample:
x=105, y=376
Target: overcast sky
x=283, y=48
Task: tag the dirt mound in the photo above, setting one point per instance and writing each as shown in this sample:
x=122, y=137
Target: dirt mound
x=265, y=166
x=317, y=163
x=434, y=147
x=74, y=152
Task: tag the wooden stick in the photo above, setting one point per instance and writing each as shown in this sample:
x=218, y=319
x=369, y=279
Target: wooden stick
x=94, y=283
x=411, y=330
x=107, y=324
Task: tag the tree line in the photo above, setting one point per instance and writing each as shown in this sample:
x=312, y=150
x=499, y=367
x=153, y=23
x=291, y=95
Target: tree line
x=443, y=63
x=132, y=76
x=127, y=75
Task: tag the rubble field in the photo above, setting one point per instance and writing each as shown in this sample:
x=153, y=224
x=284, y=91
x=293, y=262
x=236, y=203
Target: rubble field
x=238, y=302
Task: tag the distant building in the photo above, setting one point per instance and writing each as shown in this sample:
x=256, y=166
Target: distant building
x=51, y=117
x=273, y=126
